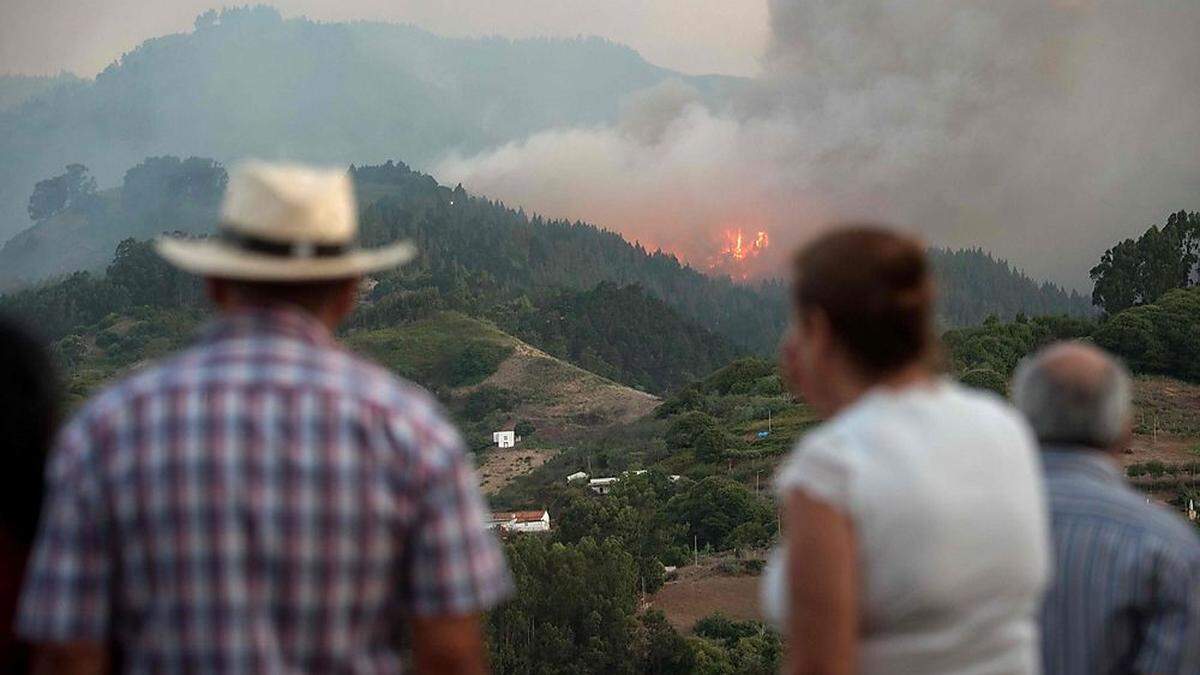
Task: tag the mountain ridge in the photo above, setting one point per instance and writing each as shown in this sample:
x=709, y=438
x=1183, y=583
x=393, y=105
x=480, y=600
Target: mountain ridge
x=248, y=82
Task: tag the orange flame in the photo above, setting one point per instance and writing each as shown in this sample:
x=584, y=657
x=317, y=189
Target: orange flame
x=736, y=250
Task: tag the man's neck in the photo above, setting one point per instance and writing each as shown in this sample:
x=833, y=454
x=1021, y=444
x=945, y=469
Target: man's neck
x=326, y=319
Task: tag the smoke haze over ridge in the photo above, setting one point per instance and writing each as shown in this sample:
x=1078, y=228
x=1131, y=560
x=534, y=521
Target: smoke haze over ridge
x=1041, y=131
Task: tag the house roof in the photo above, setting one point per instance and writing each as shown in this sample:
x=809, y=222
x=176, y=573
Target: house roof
x=519, y=516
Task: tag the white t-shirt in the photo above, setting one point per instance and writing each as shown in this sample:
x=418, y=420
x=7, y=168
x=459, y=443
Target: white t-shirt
x=944, y=489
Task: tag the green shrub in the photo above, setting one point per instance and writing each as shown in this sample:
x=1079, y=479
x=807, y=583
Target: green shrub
x=474, y=363
x=486, y=400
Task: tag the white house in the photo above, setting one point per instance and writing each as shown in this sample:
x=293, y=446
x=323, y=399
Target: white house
x=520, y=521
x=500, y=521
x=504, y=439
x=578, y=475
x=601, y=486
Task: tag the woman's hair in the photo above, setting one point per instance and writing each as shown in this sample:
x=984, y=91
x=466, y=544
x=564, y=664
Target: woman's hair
x=29, y=399
x=876, y=288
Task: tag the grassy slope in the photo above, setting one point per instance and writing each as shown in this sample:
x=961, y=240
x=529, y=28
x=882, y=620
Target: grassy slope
x=559, y=399
x=454, y=355
x=424, y=351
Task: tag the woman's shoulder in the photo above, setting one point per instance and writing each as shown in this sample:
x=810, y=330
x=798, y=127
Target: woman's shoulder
x=982, y=406
x=824, y=463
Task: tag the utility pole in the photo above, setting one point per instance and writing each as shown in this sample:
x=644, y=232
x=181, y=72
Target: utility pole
x=756, y=475
x=768, y=421
x=696, y=548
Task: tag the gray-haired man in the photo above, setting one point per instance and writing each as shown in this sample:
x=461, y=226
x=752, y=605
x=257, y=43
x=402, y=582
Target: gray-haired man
x=1125, y=597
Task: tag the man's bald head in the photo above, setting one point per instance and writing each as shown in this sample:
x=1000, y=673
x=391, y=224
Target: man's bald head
x=1074, y=393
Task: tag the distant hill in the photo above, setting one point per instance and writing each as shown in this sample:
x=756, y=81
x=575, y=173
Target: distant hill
x=160, y=194
x=974, y=286
x=246, y=82
x=17, y=89
x=622, y=333
x=484, y=258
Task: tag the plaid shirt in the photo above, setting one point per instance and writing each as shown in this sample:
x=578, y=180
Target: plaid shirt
x=265, y=502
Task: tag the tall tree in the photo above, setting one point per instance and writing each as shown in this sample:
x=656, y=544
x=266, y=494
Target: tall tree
x=1138, y=272
x=53, y=195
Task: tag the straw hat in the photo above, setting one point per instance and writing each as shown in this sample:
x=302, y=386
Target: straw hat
x=281, y=223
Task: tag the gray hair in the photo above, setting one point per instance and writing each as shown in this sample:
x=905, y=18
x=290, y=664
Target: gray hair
x=1074, y=393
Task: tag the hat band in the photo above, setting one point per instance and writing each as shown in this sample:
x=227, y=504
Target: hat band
x=297, y=249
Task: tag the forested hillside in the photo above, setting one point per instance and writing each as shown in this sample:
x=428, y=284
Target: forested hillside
x=17, y=89
x=621, y=333
x=974, y=286
x=231, y=88
x=77, y=227
x=482, y=257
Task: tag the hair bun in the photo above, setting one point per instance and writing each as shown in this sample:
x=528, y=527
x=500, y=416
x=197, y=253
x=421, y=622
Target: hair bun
x=875, y=287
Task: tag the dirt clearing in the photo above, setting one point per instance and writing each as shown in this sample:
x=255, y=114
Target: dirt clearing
x=701, y=591
x=500, y=467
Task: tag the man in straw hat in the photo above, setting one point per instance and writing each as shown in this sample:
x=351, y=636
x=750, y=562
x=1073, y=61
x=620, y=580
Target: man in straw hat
x=265, y=501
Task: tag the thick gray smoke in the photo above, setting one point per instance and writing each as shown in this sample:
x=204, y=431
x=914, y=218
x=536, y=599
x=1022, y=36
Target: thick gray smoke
x=1042, y=131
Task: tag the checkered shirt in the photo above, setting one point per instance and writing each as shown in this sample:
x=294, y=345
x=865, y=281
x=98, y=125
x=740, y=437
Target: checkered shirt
x=264, y=502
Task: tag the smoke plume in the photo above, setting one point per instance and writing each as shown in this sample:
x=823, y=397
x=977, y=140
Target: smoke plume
x=1043, y=131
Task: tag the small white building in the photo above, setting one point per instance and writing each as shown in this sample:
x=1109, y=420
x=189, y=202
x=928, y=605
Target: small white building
x=578, y=475
x=520, y=521
x=601, y=486
x=504, y=439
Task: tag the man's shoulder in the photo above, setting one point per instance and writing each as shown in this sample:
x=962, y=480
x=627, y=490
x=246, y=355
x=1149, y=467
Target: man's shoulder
x=1172, y=531
x=1119, y=507
x=375, y=385
x=329, y=369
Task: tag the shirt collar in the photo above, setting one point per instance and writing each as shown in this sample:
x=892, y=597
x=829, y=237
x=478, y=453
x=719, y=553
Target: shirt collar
x=277, y=321
x=1083, y=461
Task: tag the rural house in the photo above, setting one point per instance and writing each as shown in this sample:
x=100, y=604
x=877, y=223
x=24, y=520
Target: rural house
x=505, y=439
x=520, y=521
x=601, y=486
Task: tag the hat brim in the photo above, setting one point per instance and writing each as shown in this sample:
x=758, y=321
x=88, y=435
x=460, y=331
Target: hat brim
x=218, y=259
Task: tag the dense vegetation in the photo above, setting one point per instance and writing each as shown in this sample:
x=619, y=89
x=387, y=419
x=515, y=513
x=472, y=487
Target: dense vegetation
x=1149, y=291
x=472, y=247
x=578, y=613
x=1139, y=271
x=974, y=286
x=620, y=333
x=539, y=279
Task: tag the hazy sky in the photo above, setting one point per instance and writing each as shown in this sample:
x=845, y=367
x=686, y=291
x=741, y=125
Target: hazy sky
x=694, y=36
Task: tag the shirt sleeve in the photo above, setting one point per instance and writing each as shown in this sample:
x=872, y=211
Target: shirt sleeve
x=66, y=593
x=821, y=467
x=1171, y=642
x=455, y=566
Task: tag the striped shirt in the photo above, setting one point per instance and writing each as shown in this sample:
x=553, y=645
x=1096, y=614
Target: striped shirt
x=1126, y=592
x=264, y=502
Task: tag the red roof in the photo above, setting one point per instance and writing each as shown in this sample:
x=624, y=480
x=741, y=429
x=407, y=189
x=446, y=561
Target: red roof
x=519, y=516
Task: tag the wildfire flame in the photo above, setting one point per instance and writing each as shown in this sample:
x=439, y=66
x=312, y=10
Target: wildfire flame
x=736, y=249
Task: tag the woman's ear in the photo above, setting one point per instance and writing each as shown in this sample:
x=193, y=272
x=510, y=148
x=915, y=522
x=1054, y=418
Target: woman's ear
x=818, y=335
x=790, y=366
